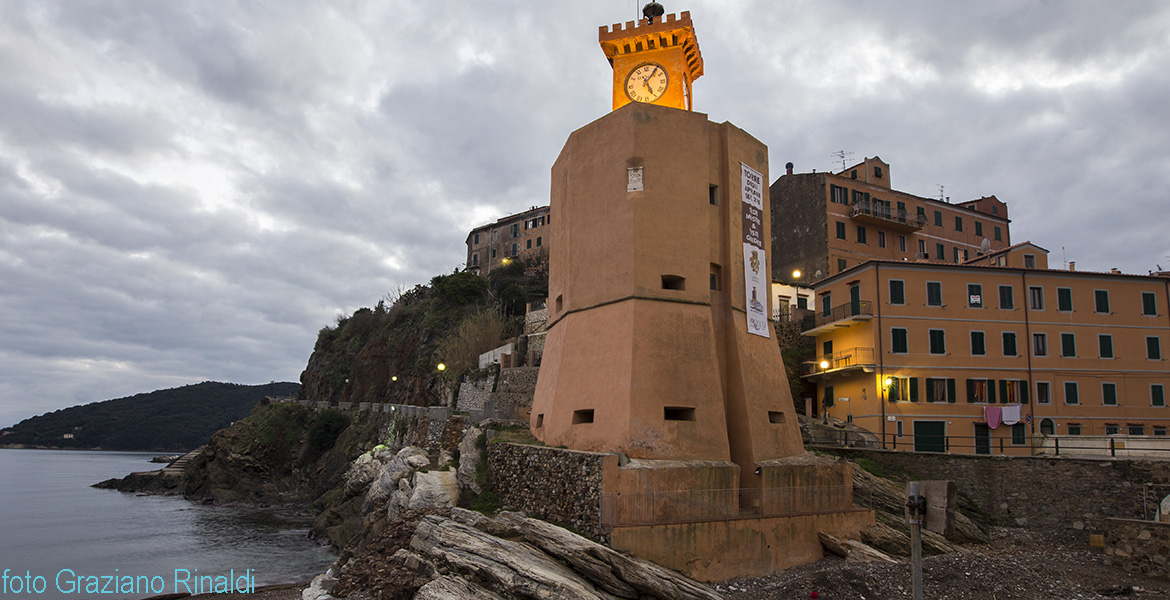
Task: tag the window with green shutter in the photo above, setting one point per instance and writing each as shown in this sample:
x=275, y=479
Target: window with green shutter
x=978, y=345
x=897, y=291
x=1064, y=299
x=1071, y=395
x=1149, y=304
x=1105, y=345
x=1109, y=394
x=1157, y=396
x=1009, y=343
x=899, y=341
x=1101, y=300
x=1068, y=345
x=1153, y=347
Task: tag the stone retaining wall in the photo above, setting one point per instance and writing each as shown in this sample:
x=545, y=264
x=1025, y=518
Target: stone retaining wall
x=1138, y=546
x=557, y=485
x=474, y=394
x=1040, y=492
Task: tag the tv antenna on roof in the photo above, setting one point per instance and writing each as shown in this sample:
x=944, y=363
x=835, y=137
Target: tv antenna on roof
x=941, y=191
x=843, y=156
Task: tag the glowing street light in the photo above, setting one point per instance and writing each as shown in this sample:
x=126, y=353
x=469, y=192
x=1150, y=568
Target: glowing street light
x=824, y=364
x=796, y=274
x=394, y=378
x=442, y=367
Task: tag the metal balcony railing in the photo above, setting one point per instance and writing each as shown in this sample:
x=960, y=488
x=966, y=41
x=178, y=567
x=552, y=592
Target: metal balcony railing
x=901, y=217
x=841, y=359
x=844, y=311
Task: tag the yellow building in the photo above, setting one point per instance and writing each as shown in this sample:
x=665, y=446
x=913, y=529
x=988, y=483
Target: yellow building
x=930, y=355
x=825, y=223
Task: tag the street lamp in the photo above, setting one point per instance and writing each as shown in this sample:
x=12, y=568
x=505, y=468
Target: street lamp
x=442, y=367
x=796, y=274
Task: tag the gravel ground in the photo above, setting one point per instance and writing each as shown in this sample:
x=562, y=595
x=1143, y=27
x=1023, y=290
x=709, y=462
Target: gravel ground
x=1016, y=565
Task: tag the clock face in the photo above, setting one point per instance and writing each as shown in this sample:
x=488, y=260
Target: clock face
x=646, y=82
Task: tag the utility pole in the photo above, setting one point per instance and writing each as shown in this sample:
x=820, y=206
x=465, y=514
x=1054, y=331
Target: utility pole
x=916, y=503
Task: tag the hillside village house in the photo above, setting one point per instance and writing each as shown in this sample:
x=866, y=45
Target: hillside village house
x=514, y=236
x=978, y=357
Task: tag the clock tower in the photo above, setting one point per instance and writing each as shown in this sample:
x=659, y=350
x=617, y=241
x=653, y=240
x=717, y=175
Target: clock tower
x=655, y=61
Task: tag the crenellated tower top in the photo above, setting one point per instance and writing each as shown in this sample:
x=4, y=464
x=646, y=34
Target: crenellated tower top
x=653, y=62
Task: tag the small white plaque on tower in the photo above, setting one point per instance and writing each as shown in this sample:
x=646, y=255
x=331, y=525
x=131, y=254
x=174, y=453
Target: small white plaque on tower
x=635, y=181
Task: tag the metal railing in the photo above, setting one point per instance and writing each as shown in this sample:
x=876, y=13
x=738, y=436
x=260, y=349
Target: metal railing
x=886, y=213
x=1125, y=447
x=844, y=311
x=689, y=506
x=844, y=358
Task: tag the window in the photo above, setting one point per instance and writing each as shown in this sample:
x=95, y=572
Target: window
x=1109, y=394
x=877, y=172
x=674, y=282
x=1007, y=297
x=1029, y=261
x=899, y=341
x=840, y=264
x=1036, y=297
x=940, y=390
x=980, y=390
x=958, y=223
x=1068, y=345
x=933, y=293
x=837, y=194
x=1111, y=429
x=1064, y=299
x=840, y=230
x=978, y=228
x=1136, y=429
x=938, y=341
x=997, y=236
x=922, y=249
x=827, y=399
x=1043, y=392
x=475, y=259
x=1159, y=430
x=826, y=305
x=515, y=230
x=1012, y=391
x=1149, y=304
x=978, y=345
x=903, y=389
x=1019, y=434
x=493, y=252
x=938, y=218
x=476, y=242
x=940, y=252
x=1105, y=345
x=1047, y=427
x=901, y=243
x=717, y=275
x=1074, y=429
x=1102, y=300
x=515, y=250
x=1039, y=344
x=529, y=244
x=921, y=213
x=713, y=195
x=958, y=255
x=881, y=239
x=1009, y=343
x=1153, y=347
x=1157, y=395
x=900, y=429
x=974, y=295
x=538, y=241
x=1070, y=393
x=897, y=291
x=861, y=234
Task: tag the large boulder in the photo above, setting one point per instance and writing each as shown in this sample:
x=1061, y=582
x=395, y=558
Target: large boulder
x=453, y=588
x=434, y=489
x=470, y=459
x=515, y=569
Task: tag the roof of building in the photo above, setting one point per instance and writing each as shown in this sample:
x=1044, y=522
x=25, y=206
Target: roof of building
x=1006, y=250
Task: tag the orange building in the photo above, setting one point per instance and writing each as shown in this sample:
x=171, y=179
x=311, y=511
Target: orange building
x=514, y=236
x=936, y=356
x=825, y=223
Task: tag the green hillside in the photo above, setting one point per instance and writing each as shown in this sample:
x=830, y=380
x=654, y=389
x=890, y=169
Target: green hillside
x=180, y=418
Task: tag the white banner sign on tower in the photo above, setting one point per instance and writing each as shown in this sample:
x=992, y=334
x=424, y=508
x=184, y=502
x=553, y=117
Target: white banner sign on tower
x=755, y=262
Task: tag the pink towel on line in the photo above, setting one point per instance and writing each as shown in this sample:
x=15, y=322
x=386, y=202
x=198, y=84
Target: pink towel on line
x=992, y=414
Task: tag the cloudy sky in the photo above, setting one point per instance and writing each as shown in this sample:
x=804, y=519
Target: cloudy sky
x=190, y=190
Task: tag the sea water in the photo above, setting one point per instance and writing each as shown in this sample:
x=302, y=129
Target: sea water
x=59, y=537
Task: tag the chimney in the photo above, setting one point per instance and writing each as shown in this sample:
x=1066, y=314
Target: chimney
x=1072, y=265
x=788, y=168
x=1115, y=271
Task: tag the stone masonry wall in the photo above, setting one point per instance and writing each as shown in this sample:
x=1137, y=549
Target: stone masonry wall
x=1040, y=492
x=1138, y=546
x=473, y=394
x=557, y=485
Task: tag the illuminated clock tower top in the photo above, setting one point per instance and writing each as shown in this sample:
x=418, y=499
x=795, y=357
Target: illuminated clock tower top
x=654, y=61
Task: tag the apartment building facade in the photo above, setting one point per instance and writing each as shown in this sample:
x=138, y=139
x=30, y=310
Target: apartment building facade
x=825, y=223
x=514, y=236
x=977, y=358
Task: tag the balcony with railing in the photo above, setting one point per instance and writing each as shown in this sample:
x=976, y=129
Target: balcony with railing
x=845, y=315
x=850, y=359
x=888, y=217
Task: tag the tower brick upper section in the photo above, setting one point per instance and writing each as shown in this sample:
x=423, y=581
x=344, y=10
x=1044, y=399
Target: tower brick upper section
x=669, y=31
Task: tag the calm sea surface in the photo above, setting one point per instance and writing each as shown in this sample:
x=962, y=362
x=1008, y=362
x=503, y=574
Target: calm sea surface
x=51, y=520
